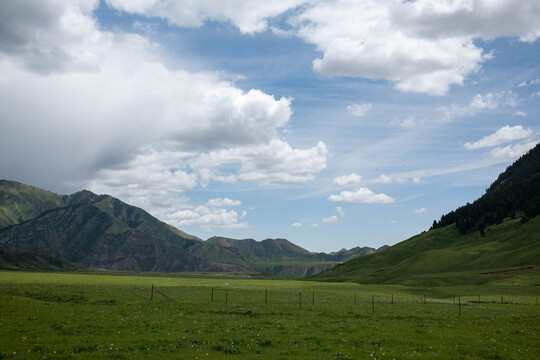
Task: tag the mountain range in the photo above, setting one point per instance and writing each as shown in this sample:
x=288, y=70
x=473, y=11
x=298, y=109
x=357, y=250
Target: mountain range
x=100, y=231
x=496, y=235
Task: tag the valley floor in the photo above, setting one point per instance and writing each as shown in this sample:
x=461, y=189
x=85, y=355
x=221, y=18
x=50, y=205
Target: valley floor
x=91, y=316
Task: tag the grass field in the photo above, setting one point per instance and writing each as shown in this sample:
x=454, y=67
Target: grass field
x=104, y=316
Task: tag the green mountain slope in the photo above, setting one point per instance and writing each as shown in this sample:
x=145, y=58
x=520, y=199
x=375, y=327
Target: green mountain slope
x=430, y=257
x=19, y=202
x=498, y=231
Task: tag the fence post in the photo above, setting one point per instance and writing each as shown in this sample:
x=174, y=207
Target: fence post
x=152, y=293
x=266, y=296
x=300, y=300
x=313, y=298
x=459, y=302
x=392, y=299
x=227, y=297
x=354, y=299
x=212, y=294
x=502, y=302
x=373, y=304
x=424, y=299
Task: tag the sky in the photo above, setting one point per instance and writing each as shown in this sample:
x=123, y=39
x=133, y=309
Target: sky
x=331, y=123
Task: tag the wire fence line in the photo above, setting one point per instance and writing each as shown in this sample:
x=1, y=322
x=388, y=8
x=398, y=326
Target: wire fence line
x=302, y=298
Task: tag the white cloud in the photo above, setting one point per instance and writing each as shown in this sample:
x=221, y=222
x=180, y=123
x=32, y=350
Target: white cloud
x=223, y=202
x=399, y=178
x=384, y=179
x=275, y=162
x=315, y=225
x=408, y=123
x=206, y=218
x=109, y=115
x=501, y=136
x=421, y=46
x=330, y=219
x=128, y=105
x=296, y=224
x=420, y=211
x=511, y=152
x=530, y=83
x=249, y=16
x=520, y=113
x=151, y=180
x=362, y=195
x=347, y=180
x=359, y=110
x=480, y=102
x=52, y=36
x=480, y=19
x=340, y=211
x=366, y=39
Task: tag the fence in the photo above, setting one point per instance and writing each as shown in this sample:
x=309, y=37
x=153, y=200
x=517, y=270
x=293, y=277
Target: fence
x=298, y=299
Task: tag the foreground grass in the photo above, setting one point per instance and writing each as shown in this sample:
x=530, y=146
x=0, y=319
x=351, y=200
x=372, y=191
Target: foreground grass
x=65, y=316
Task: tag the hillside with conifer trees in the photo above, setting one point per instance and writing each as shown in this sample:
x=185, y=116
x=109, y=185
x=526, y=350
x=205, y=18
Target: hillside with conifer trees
x=516, y=191
x=495, y=238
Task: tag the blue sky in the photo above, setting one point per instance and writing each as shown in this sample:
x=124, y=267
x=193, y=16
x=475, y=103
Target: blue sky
x=333, y=124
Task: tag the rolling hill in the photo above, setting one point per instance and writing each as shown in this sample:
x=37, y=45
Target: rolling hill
x=501, y=235
x=100, y=231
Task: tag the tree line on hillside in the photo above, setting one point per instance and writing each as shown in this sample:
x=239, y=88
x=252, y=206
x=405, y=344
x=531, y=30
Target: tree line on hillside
x=516, y=190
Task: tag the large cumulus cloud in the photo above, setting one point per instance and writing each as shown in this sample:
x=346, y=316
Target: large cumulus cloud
x=86, y=107
x=422, y=46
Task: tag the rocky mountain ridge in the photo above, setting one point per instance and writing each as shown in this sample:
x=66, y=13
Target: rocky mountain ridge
x=100, y=231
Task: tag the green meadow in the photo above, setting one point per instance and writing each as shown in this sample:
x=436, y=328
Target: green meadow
x=117, y=316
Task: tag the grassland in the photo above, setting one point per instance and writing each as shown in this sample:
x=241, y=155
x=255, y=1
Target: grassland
x=93, y=316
